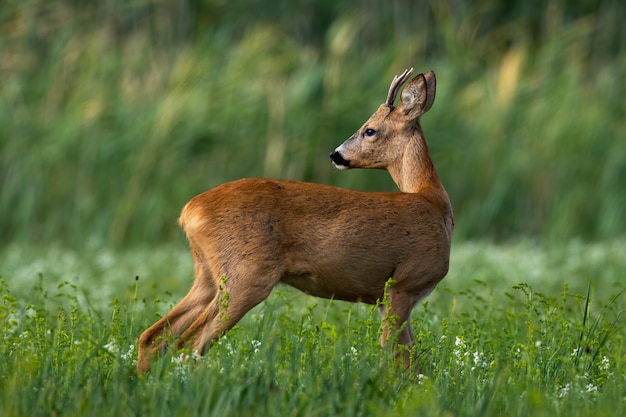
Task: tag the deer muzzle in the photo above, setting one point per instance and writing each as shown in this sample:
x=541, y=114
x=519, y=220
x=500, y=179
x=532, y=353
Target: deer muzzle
x=339, y=160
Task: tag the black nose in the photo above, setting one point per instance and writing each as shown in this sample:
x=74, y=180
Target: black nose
x=338, y=159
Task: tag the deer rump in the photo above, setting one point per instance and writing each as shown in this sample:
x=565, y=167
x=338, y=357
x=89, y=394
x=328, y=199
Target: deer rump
x=326, y=241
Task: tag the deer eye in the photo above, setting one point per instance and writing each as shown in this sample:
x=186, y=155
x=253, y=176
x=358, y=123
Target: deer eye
x=370, y=132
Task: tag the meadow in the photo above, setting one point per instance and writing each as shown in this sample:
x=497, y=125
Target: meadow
x=513, y=330
x=113, y=114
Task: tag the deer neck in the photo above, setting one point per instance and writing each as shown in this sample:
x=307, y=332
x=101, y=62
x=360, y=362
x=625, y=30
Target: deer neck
x=415, y=172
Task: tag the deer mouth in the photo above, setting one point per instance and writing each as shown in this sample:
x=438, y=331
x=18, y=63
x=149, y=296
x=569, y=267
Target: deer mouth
x=339, y=160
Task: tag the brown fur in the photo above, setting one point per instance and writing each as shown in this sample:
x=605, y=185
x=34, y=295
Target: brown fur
x=248, y=236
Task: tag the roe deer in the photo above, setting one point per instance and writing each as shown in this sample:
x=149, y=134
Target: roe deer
x=248, y=236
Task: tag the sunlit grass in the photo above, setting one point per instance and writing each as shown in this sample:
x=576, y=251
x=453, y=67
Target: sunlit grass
x=514, y=330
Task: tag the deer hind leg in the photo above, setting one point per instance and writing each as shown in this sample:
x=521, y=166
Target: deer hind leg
x=397, y=322
x=240, y=293
x=156, y=337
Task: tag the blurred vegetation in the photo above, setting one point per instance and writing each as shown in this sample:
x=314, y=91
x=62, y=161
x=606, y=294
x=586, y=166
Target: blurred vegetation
x=113, y=114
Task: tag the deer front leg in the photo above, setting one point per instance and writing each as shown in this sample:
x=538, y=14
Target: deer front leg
x=396, y=322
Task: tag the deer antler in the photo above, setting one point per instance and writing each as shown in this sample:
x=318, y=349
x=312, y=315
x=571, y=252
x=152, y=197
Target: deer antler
x=395, y=86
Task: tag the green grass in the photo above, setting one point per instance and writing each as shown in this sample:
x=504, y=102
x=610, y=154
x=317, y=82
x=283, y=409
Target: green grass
x=513, y=330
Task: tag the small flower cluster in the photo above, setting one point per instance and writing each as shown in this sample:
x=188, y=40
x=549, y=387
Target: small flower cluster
x=224, y=342
x=587, y=385
x=181, y=364
x=127, y=355
x=230, y=349
x=463, y=357
x=353, y=354
x=255, y=346
x=565, y=390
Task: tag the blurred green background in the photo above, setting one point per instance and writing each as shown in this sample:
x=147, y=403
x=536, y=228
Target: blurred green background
x=114, y=113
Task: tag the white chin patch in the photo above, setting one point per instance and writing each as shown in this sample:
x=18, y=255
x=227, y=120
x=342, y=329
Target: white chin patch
x=341, y=167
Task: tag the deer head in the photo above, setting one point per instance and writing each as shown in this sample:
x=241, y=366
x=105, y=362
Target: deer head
x=392, y=138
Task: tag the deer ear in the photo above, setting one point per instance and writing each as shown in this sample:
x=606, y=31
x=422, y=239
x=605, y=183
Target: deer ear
x=418, y=95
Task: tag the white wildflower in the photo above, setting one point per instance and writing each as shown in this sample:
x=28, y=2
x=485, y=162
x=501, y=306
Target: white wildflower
x=129, y=354
x=30, y=313
x=479, y=361
x=564, y=390
x=112, y=347
x=605, y=365
x=226, y=343
x=458, y=353
x=354, y=353
x=180, y=370
x=178, y=360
